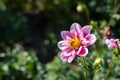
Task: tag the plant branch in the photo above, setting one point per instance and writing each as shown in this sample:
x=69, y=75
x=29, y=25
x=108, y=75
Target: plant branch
x=84, y=64
x=110, y=68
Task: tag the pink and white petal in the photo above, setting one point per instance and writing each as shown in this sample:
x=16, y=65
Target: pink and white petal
x=83, y=51
x=76, y=27
x=66, y=35
x=63, y=57
x=84, y=42
x=79, y=50
x=71, y=58
x=74, y=33
x=86, y=30
x=91, y=38
x=69, y=53
x=80, y=35
x=112, y=45
x=63, y=45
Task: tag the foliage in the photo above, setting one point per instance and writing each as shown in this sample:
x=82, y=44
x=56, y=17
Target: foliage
x=18, y=65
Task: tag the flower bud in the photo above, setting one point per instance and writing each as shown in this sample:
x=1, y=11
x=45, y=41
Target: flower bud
x=79, y=8
x=98, y=61
x=97, y=64
x=107, y=33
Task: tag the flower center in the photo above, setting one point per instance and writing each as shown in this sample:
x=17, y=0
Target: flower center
x=75, y=43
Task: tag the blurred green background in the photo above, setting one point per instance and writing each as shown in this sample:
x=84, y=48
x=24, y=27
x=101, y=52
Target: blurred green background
x=30, y=30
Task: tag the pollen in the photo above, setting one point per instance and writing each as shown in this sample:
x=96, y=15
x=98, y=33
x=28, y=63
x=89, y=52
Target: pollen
x=75, y=43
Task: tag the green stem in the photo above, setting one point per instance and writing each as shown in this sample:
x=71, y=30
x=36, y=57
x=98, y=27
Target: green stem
x=84, y=64
x=110, y=68
x=95, y=75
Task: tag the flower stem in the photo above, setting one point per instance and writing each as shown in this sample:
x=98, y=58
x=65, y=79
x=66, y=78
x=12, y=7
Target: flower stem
x=110, y=68
x=84, y=64
x=95, y=75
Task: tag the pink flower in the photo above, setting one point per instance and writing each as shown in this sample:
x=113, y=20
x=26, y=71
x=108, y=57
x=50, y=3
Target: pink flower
x=75, y=42
x=112, y=43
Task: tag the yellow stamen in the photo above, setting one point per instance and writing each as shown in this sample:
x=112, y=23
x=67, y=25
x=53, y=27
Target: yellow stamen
x=75, y=43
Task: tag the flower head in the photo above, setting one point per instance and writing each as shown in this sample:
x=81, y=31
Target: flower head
x=107, y=33
x=112, y=43
x=75, y=42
